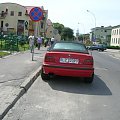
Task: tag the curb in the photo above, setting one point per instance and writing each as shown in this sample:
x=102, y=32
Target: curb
x=13, y=54
x=29, y=81
x=23, y=88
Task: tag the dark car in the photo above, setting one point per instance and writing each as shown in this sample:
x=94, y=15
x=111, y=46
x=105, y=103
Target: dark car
x=68, y=59
x=99, y=47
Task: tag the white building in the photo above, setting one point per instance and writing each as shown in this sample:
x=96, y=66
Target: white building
x=115, y=36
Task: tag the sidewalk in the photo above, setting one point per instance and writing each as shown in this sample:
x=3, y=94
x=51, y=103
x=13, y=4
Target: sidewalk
x=114, y=53
x=17, y=73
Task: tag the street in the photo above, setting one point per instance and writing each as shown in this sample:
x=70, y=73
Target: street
x=66, y=98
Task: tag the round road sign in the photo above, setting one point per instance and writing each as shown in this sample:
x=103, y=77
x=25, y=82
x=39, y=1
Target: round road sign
x=36, y=14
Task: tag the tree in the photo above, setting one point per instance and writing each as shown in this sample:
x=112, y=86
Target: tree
x=59, y=27
x=67, y=34
x=81, y=37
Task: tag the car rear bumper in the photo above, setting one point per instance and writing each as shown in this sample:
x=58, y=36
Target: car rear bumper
x=68, y=71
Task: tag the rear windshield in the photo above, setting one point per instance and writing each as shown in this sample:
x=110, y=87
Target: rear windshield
x=75, y=47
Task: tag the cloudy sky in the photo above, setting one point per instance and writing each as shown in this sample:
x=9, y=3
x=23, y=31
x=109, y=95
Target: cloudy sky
x=73, y=13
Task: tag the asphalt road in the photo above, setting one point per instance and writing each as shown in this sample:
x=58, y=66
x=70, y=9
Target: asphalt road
x=67, y=98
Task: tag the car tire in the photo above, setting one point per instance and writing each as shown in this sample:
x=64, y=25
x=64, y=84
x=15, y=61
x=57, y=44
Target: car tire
x=44, y=76
x=98, y=49
x=89, y=79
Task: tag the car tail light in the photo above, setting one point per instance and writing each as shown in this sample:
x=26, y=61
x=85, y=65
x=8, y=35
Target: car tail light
x=88, y=62
x=49, y=58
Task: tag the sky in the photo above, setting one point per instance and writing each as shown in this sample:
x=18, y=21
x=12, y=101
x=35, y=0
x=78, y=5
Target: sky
x=73, y=13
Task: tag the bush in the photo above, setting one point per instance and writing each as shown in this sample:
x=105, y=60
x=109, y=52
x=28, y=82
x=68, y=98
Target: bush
x=113, y=47
x=2, y=54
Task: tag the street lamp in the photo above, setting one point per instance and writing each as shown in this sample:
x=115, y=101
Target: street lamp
x=95, y=23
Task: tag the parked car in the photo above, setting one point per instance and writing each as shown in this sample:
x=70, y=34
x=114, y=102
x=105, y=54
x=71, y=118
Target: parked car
x=99, y=47
x=68, y=59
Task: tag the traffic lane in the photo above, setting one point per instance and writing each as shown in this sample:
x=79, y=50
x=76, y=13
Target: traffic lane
x=107, y=68
x=78, y=86
x=108, y=64
x=61, y=98
x=70, y=98
x=111, y=52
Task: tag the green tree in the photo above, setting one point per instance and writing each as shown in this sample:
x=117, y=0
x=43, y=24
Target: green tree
x=59, y=27
x=81, y=37
x=67, y=34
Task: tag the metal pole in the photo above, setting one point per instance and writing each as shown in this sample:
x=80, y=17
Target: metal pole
x=95, y=23
x=35, y=35
x=33, y=53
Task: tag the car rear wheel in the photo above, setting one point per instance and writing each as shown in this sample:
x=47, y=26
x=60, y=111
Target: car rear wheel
x=89, y=79
x=44, y=76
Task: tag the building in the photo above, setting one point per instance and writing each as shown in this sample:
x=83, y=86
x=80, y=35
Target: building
x=115, y=36
x=14, y=18
x=102, y=34
x=51, y=32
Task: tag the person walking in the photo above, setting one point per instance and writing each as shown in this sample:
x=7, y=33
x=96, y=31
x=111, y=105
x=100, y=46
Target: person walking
x=31, y=43
x=52, y=40
x=45, y=42
x=39, y=42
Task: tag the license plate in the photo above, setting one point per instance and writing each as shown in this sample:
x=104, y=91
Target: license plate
x=69, y=60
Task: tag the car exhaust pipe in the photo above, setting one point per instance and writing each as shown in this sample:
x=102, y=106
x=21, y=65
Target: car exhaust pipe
x=51, y=75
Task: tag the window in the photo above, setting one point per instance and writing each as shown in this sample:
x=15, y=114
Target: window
x=19, y=13
x=70, y=47
x=112, y=32
x=42, y=25
x=117, y=31
x=12, y=13
x=112, y=40
x=119, y=41
x=2, y=14
x=1, y=24
x=116, y=40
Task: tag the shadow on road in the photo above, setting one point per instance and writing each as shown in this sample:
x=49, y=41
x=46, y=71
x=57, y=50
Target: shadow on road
x=77, y=85
x=37, y=53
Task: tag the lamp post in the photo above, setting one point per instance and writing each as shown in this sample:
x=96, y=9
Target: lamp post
x=95, y=23
x=84, y=31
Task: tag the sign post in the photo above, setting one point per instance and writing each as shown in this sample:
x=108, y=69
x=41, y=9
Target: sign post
x=36, y=14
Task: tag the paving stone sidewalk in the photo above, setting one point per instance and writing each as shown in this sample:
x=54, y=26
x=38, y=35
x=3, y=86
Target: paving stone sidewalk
x=17, y=73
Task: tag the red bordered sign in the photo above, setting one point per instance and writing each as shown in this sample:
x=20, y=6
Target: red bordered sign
x=36, y=14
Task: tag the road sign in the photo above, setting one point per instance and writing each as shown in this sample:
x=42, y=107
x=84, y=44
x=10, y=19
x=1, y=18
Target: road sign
x=36, y=14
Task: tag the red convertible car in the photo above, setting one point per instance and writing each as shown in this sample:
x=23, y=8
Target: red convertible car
x=68, y=59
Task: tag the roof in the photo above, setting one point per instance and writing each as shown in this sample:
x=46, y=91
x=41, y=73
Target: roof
x=117, y=26
x=30, y=7
x=49, y=23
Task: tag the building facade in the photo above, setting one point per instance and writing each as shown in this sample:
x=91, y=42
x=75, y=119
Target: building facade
x=115, y=36
x=14, y=18
x=102, y=34
x=51, y=32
